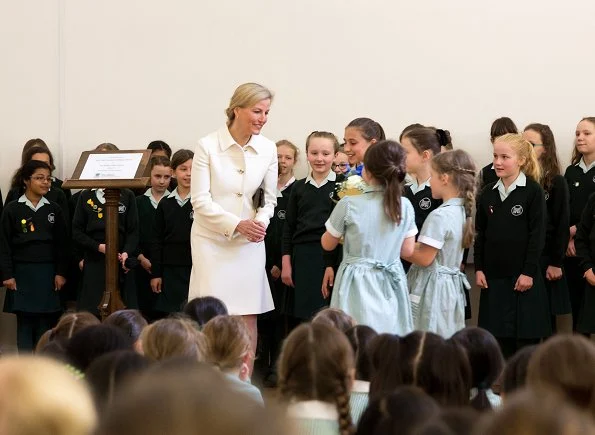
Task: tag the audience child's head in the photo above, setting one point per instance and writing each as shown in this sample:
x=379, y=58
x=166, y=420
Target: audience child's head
x=72, y=323
x=514, y=376
x=535, y=412
x=316, y=363
x=40, y=396
x=106, y=147
x=564, y=364
x=33, y=177
x=455, y=170
x=228, y=345
x=187, y=401
x=502, y=126
x=341, y=161
x=203, y=309
x=160, y=168
x=181, y=165
x=131, y=322
x=159, y=148
x=544, y=144
x=359, y=135
x=384, y=165
x=335, y=317
x=402, y=412
x=107, y=373
x=321, y=147
x=89, y=344
x=439, y=367
x=514, y=154
x=485, y=359
x=360, y=337
x=420, y=144
x=584, y=141
x=287, y=155
x=171, y=338
x=451, y=421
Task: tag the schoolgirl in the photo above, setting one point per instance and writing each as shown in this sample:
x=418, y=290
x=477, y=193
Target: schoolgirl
x=500, y=127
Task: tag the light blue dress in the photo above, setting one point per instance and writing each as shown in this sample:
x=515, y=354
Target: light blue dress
x=437, y=292
x=371, y=284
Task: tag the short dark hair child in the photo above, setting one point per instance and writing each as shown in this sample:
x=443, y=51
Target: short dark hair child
x=203, y=309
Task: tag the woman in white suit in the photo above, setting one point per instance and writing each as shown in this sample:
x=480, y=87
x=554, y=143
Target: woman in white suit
x=230, y=166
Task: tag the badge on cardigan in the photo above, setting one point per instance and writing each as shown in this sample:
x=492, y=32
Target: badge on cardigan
x=516, y=210
x=425, y=203
x=95, y=208
x=51, y=218
x=281, y=214
x=547, y=196
x=191, y=216
x=121, y=208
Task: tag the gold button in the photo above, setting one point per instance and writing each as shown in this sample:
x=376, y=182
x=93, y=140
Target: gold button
x=226, y=234
x=241, y=171
x=239, y=194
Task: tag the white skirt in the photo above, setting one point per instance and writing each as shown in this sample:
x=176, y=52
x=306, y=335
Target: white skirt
x=230, y=270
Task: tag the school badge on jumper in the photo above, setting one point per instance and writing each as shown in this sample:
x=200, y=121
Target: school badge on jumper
x=51, y=218
x=281, y=214
x=191, y=216
x=121, y=208
x=516, y=210
x=425, y=203
x=95, y=208
x=547, y=196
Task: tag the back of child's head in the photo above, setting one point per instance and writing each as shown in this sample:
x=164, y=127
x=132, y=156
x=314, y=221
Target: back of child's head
x=440, y=367
x=131, y=322
x=324, y=135
x=360, y=337
x=187, y=401
x=171, y=338
x=401, y=412
x=565, y=364
x=485, y=359
x=89, y=344
x=385, y=162
x=228, y=342
x=180, y=157
x=460, y=168
x=203, y=309
x=525, y=153
x=368, y=128
x=316, y=363
x=426, y=139
x=535, y=412
x=335, y=317
x=159, y=145
x=514, y=376
x=107, y=373
x=451, y=421
x=502, y=126
x=40, y=396
x=71, y=323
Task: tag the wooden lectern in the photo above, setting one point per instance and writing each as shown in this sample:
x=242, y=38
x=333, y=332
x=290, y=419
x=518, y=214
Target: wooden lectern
x=112, y=171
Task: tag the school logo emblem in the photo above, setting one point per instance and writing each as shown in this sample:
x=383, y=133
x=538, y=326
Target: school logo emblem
x=191, y=215
x=516, y=210
x=425, y=203
x=51, y=218
x=281, y=214
x=121, y=208
x=593, y=179
x=547, y=196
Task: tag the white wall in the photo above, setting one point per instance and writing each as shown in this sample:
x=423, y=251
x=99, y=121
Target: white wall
x=81, y=72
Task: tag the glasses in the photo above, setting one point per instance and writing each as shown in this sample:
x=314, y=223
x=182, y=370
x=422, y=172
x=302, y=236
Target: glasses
x=41, y=179
x=340, y=165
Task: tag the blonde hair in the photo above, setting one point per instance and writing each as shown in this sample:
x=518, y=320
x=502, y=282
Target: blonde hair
x=524, y=150
x=323, y=135
x=336, y=318
x=40, y=396
x=246, y=95
x=228, y=341
x=286, y=143
x=170, y=338
x=460, y=167
x=317, y=363
x=71, y=323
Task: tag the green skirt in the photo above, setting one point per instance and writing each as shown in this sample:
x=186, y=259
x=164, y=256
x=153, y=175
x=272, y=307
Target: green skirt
x=36, y=291
x=174, y=289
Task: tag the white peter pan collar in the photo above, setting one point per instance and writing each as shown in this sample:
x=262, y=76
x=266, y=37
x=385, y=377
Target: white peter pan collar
x=581, y=164
x=360, y=387
x=332, y=176
x=313, y=409
x=521, y=181
x=29, y=204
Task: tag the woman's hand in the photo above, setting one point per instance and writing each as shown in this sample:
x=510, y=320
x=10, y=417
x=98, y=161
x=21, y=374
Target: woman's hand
x=480, y=279
x=327, y=282
x=523, y=283
x=10, y=284
x=156, y=285
x=553, y=273
x=59, y=282
x=253, y=230
x=590, y=277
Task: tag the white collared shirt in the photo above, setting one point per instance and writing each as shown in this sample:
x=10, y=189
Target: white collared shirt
x=29, y=204
x=154, y=202
x=360, y=386
x=285, y=186
x=226, y=140
x=313, y=409
x=332, y=176
x=418, y=188
x=581, y=164
x=100, y=194
x=521, y=181
x=179, y=199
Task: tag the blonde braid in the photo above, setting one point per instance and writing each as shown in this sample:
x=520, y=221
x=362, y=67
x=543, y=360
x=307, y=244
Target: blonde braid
x=344, y=408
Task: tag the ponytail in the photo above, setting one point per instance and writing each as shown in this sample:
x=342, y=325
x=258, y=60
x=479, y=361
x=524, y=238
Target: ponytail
x=524, y=150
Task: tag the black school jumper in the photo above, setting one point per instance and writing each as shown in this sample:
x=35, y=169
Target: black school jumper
x=171, y=254
x=88, y=232
x=33, y=250
x=509, y=242
x=580, y=186
x=146, y=219
x=308, y=210
x=487, y=175
x=585, y=251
